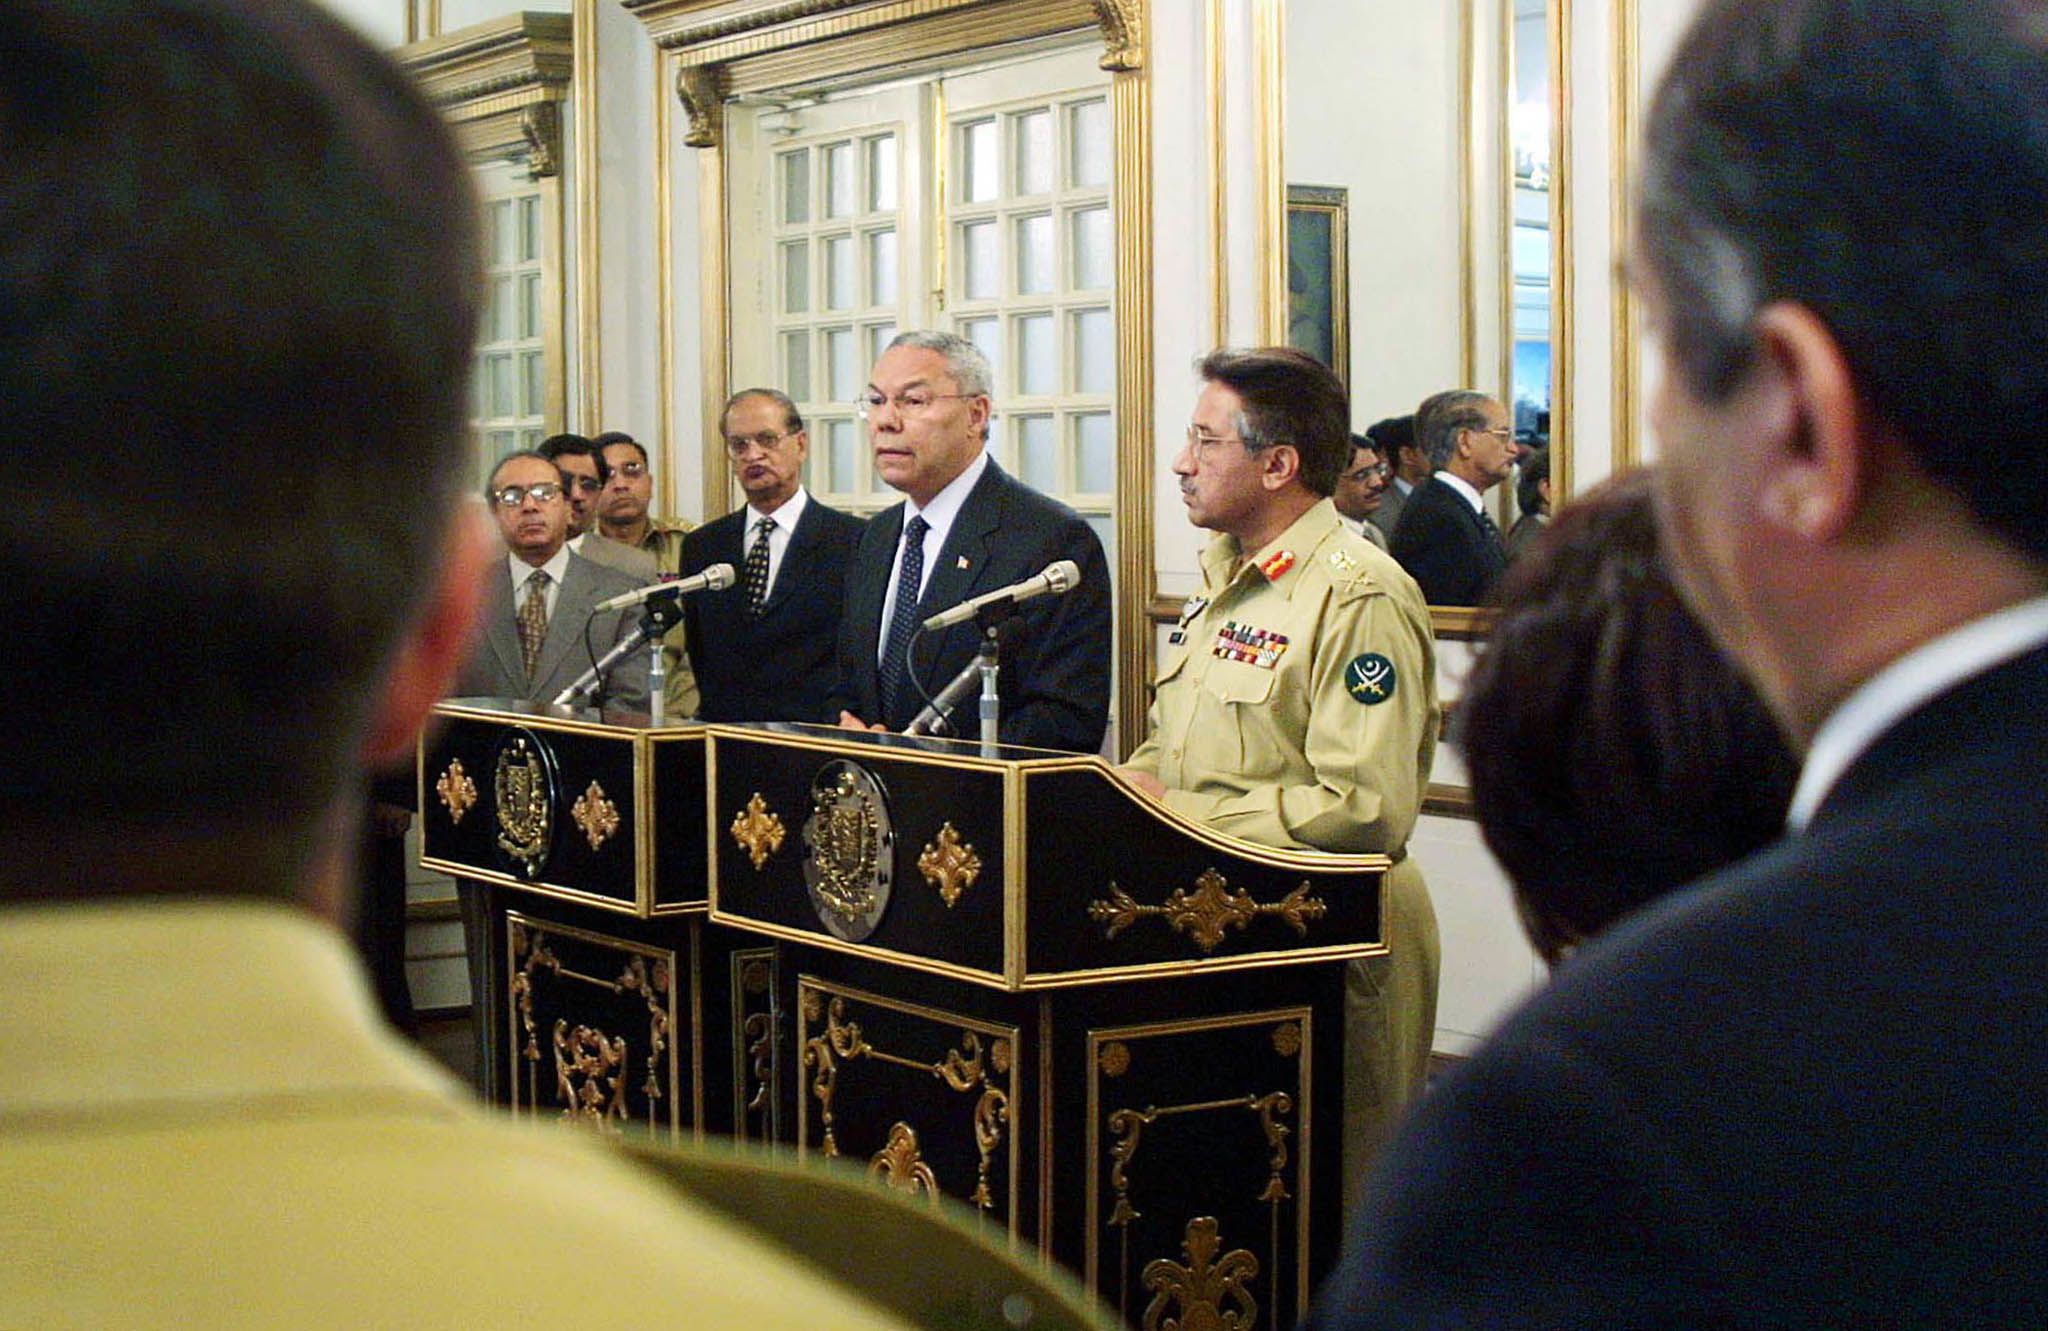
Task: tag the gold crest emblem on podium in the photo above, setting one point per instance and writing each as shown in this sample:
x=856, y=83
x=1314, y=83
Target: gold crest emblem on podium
x=525, y=788
x=850, y=860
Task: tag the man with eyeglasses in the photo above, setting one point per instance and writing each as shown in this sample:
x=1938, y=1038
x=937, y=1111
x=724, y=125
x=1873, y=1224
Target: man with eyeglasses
x=1446, y=539
x=583, y=471
x=965, y=527
x=764, y=647
x=1297, y=703
x=1361, y=488
x=624, y=521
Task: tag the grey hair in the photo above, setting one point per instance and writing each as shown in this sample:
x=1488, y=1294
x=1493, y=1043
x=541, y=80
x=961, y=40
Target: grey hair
x=1440, y=419
x=490, y=483
x=792, y=419
x=964, y=361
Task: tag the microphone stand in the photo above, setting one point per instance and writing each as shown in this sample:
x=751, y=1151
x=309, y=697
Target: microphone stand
x=656, y=619
x=983, y=669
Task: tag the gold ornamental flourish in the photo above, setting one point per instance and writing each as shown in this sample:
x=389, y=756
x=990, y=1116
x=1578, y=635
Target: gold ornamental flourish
x=949, y=865
x=1202, y=1289
x=590, y=1075
x=900, y=1165
x=596, y=815
x=1210, y=912
x=456, y=790
x=758, y=831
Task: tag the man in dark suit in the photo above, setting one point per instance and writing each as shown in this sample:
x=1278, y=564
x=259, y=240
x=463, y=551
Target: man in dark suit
x=532, y=645
x=1807, y=1092
x=764, y=647
x=1394, y=437
x=1445, y=538
x=976, y=530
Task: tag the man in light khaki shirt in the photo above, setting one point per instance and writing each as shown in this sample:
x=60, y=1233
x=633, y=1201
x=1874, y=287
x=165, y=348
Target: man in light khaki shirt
x=624, y=517
x=1297, y=706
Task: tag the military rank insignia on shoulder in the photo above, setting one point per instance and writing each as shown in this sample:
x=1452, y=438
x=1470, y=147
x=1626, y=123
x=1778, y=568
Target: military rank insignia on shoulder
x=1276, y=564
x=1370, y=678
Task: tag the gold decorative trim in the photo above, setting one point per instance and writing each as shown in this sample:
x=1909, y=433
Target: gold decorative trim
x=1123, y=33
x=1624, y=95
x=500, y=84
x=949, y=865
x=697, y=90
x=1219, y=199
x=525, y=805
x=1563, y=252
x=1468, y=193
x=1115, y=1059
x=754, y=1061
x=596, y=815
x=456, y=790
x=1211, y=912
x=1270, y=121
x=590, y=1075
x=590, y=1066
x=758, y=831
x=589, y=269
x=1137, y=467
x=900, y=1165
x=1287, y=1039
x=665, y=281
x=1200, y=1289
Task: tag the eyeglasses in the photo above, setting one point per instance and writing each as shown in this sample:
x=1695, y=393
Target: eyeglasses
x=1378, y=469
x=1201, y=441
x=1497, y=431
x=632, y=471
x=911, y=402
x=589, y=485
x=737, y=445
x=542, y=492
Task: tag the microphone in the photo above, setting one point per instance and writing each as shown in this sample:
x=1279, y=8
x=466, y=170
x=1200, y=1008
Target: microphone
x=715, y=578
x=1057, y=579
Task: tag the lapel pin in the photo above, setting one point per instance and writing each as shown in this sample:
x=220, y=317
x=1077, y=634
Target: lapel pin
x=962, y=565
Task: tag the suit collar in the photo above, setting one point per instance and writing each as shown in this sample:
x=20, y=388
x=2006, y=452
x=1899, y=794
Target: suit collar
x=965, y=555
x=1459, y=486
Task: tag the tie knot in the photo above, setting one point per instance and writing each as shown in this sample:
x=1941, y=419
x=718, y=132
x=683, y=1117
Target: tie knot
x=764, y=526
x=537, y=578
x=915, y=529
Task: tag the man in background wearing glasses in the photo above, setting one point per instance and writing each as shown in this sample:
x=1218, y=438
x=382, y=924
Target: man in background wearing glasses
x=1297, y=703
x=584, y=471
x=1362, y=488
x=1445, y=538
x=965, y=527
x=764, y=646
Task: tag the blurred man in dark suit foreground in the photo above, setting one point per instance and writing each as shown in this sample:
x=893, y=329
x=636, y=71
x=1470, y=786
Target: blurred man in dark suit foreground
x=1807, y=1091
x=236, y=240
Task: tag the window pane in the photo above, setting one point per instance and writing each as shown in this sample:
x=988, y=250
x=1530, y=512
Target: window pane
x=841, y=185
x=1088, y=126
x=1035, y=263
x=1034, y=152
x=1094, y=352
x=1090, y=247
x=1038, y=453
x=879, y=336
x=842, y=365
x=1095, y=470
x=503, y=249
x=839, y=273
x=501, y=442
x=1038, y=355
x=529, y=229
x=503, y=402
x=796, y=277
x=882, y=174
x=980, y=162
x=504, y=310
x=529, y=305
x=796, y=186
x=981, y=260
x=844, y=447
x=534, y=385
x=882, y=268
x=987, y=334
x=796, y=365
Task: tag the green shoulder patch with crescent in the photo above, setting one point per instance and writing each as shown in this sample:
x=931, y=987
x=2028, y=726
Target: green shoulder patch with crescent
x=1370, y=679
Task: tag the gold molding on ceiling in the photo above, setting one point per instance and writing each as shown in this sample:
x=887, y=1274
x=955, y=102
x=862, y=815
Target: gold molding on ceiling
x=500, y=84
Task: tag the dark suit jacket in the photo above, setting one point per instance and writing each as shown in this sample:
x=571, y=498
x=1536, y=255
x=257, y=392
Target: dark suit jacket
x=496, y=669
x=1054, y=683
x=782, y=666
x=1805, y=1093
x=1441, y=542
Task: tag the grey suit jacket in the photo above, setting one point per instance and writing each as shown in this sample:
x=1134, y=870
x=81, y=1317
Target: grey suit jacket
x=1389, y=512
x=496, y=668
x=635, y=563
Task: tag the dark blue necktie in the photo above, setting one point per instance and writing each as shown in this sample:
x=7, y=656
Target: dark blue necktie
x=903, y=622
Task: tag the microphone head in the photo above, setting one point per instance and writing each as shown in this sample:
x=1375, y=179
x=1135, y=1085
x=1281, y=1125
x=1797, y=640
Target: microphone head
x=718, y=577
x=1062, y=576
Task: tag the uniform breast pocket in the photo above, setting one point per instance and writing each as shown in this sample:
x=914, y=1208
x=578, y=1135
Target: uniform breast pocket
x=1238, y=683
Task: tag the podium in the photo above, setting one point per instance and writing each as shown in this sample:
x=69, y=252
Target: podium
x=996, y=974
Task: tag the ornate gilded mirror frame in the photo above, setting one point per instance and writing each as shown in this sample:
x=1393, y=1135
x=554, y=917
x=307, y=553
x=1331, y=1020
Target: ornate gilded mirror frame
x=720, y=49
x=501, y=84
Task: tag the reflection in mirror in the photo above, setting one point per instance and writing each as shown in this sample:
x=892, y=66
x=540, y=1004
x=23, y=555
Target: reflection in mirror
x=1529, y=138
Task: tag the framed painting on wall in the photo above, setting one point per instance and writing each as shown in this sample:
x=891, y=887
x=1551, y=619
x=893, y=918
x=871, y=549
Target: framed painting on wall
x=1318, y=275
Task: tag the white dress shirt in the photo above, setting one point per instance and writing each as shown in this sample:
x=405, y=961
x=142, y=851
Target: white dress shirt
x=1899, y=689
x=556, y=569
x=785, y=520
x=938, y=516
x=1463, y=487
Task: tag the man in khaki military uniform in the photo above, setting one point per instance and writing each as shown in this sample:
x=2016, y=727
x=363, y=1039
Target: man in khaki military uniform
x=624, y=517
x=1297, y=706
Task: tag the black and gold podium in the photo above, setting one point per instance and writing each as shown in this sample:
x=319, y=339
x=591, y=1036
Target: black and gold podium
x=1003, y=977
